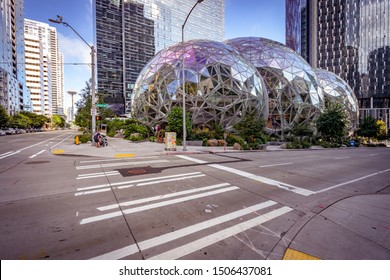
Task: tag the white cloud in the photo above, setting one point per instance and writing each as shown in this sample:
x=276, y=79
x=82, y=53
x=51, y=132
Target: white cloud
x=74, y=49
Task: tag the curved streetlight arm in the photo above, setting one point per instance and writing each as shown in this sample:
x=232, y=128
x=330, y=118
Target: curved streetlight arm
x=60, y=21
x=93, y=101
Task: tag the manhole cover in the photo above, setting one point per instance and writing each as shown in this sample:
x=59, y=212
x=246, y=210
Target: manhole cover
x=136, y=171
x=37, y=162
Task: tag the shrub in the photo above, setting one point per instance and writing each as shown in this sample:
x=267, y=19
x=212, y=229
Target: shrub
x=84, y=138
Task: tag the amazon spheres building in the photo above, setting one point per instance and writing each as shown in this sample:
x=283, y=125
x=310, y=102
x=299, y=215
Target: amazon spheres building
x=223, y=81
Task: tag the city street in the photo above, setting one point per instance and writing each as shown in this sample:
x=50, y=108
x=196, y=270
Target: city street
x=124, y=202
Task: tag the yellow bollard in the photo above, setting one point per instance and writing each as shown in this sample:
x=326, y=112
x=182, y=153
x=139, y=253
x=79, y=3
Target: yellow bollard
x=76, y=140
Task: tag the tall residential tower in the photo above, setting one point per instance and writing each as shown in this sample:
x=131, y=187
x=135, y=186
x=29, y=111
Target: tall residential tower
x=130, y=32
x=42, y=47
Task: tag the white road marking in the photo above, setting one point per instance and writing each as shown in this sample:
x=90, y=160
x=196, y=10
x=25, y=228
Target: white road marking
x=138, y=181
x=165, y=238
x=277, y=164
x=116, y=159
x=191, y=159
x=119, y=164
x=220, y=235
x=9, y=154
x=159, y=197
x=96, y=175
x=264, y=180
x=373, y=155
x=153, y=206
x=341, y=157
x=107, y=187
x=33, y=156
x=25, y=148
x=352, y=181
x=171, y=180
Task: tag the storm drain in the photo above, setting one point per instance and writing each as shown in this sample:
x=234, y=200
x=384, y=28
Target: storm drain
x=127, y=172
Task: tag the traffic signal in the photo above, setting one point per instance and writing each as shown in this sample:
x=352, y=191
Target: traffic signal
x=98, y=118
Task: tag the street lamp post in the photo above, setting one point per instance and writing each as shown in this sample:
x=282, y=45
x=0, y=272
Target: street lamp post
x=93, y=101
x=183, y=78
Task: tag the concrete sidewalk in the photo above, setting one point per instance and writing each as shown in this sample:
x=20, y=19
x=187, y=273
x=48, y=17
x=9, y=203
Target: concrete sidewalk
x=119, y=147
x=356, y=227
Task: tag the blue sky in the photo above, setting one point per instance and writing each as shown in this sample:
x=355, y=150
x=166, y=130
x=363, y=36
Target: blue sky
x=261, y=18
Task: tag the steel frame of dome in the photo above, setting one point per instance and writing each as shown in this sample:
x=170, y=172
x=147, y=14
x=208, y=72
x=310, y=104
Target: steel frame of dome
x=335, y=89
x=294, y=93
x=220, y=85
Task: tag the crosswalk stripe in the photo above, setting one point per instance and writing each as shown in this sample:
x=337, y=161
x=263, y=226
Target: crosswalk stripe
x=159, y=197
x=115, y=164
x=96, y=175
x=137, y=181
x=220, y=235
x=153, y=206
x=165, y=238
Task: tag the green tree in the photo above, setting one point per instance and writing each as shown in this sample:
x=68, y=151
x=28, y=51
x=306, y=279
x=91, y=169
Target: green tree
x=381, y=130
x=332, y=123
x=58, y=121
x=175, y=122
x=368, y=128
x=250, y=128
x=4, y=117
x=37, y=121
x=83, y=105
x=20, y=121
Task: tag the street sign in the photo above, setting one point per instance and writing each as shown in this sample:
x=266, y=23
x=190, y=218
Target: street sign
x=102, y=105
x=93, y=112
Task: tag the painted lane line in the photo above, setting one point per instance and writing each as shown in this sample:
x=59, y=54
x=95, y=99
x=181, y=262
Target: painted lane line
x=119, y=164
x=98, y=173
x=137, y=181
x=103, y=174
x=264, y=180
x=108, y=187
x=60, y=142
x=6, y=153
x=353, y=181
x=37, y=154
x=341, y=157
x=92, y=192
x=153, y=206
x=159, y=197
x=277, y=164
x=114, y=159
x=165, y=238
x=171, y=180
x=191, y=159
x=10, y=154
x=373, y=155
x=220, y=235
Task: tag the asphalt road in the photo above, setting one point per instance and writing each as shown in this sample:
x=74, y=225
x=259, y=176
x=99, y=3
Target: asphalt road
x=193, y=206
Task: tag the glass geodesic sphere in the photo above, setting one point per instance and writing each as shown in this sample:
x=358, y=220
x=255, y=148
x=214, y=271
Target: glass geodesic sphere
x=336, y=90
x=220, y=85
x=293, y=91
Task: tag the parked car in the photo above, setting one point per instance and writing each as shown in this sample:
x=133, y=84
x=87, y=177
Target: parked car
x=2, y=132
x=10, y=131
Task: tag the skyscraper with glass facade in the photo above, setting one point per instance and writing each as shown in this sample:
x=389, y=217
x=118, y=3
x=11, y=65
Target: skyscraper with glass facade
x=14, y=94
x=130, y=32
x=350, y=38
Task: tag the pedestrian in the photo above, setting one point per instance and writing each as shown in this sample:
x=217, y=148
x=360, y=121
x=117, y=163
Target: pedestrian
x=98, y=139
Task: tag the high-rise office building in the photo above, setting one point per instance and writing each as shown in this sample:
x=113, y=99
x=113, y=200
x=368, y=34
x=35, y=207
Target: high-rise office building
x=51, y=63
x=130, y=32
x=350, y=38
x=14, y=94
